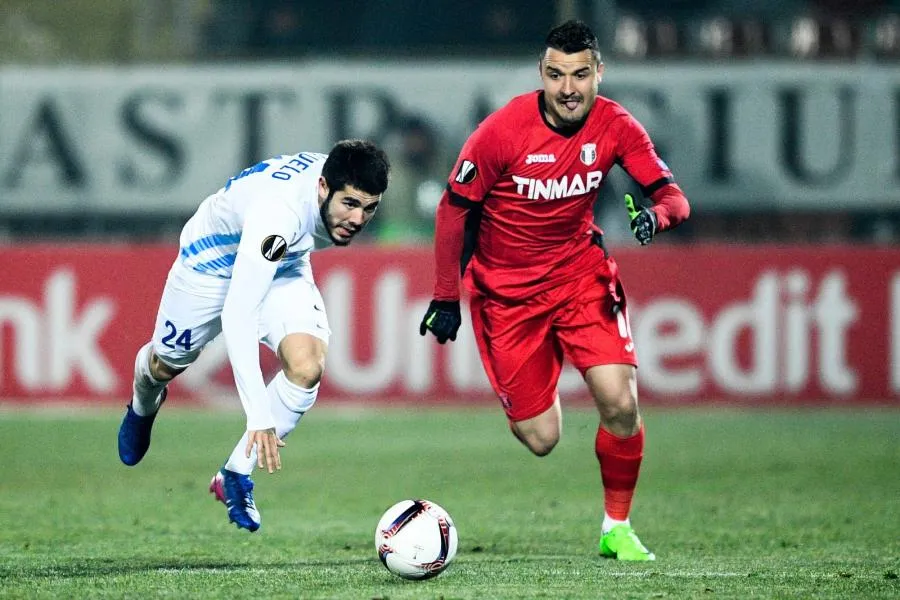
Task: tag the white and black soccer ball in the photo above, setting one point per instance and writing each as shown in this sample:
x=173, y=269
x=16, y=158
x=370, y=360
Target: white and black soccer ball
x=416, y=539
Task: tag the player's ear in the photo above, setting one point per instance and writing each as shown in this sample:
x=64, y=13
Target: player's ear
x=323, y=187
x=599, y=72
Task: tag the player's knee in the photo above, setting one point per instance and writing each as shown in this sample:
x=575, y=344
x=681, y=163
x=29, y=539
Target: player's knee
x=161, y=371
x=619, y=411
x=305, y=370
x=540, y=434
x=541, y=446
x=302, y=359
x=540, y=441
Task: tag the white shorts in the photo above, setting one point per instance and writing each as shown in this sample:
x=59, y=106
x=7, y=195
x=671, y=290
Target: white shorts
x=190, y=313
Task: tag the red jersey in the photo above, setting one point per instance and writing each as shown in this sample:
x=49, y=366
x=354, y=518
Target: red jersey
x=535, y=186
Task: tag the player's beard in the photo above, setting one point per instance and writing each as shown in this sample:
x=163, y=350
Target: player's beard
x=329, y=226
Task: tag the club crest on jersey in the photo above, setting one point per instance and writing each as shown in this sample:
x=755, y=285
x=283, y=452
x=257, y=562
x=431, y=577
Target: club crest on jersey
x=467, y=172
x=589, y=154
x=273, y=248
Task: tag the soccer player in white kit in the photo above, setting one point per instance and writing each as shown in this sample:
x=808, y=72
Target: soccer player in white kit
x=243, y=269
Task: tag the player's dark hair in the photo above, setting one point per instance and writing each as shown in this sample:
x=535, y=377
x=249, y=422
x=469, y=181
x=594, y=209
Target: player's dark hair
x=358, y=163
x=572, y=37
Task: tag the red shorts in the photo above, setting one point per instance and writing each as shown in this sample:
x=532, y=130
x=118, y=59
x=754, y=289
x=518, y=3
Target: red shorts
x=522, y=344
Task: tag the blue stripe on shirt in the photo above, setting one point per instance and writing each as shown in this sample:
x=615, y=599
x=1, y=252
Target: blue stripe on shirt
x=210, y=241
x=222, y=262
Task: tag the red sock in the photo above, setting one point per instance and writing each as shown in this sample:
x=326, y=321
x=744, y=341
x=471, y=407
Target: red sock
x=620, y=463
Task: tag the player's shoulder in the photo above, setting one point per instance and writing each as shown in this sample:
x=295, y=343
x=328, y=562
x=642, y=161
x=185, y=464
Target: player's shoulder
x=300, y=160
x=283, y=180
x=518, y=111
x=606, y=110
x=295, y=168
x=526, y=104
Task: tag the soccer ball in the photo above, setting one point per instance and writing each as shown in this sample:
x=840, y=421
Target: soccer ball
x=416, y=539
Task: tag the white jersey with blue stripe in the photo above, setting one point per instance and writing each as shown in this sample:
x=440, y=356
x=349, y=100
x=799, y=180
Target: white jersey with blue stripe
x=209, y=240
x=260, y=227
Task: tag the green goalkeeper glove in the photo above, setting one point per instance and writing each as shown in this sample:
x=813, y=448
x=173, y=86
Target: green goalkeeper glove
x=643, y=221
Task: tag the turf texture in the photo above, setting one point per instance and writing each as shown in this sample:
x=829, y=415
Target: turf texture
x=735, y=504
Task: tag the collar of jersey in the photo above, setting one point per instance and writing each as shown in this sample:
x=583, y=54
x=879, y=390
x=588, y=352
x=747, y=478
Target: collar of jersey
x=563, y=131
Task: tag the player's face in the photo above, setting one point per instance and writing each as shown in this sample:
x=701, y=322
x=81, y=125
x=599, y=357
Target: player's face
x=345, y=212
x=570, y=85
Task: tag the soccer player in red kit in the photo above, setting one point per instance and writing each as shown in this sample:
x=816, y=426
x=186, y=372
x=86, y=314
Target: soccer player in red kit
x=517, y=220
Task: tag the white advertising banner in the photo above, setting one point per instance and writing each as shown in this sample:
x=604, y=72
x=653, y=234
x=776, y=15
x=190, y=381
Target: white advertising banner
x=157, y=139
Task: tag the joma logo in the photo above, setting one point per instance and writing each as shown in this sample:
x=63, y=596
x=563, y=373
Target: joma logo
x=540, y=158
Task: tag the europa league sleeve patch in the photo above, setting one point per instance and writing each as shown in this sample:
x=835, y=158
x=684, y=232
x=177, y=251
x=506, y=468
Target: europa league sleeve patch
x=273, y=248
x=467, y=172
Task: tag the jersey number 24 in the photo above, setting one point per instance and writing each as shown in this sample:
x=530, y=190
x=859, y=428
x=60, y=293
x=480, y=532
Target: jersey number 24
x=183, y=340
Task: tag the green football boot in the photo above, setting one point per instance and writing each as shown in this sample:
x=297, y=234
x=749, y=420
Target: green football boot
x=622, y=543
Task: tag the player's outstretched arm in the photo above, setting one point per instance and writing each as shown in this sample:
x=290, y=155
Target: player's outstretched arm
x=251, y=279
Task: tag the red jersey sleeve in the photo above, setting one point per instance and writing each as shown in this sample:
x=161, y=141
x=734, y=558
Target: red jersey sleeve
x=480, y=162
x=479, y=165
x=449, y=241
x=638, y=157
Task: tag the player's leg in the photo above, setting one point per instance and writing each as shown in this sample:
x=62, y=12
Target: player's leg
x=598, y=341
x=523, y=364
x=619, y=443
x=292, y=391
x=151, y=376
x=294, y=324
x=187, y=320
x=619, y=447
x=540, y=434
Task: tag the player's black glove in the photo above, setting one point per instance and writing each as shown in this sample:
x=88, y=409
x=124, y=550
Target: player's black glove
x=442, y=319
x=643, y=221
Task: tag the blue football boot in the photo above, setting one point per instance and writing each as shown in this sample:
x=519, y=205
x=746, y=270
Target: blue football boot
x=235, y=491
x=134, y=434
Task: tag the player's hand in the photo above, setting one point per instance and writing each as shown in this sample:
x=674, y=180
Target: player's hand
x=267, y=445
x=643, y=221
x=442, y=319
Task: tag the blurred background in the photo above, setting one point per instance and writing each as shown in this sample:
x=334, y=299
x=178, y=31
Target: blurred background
x=779, y=118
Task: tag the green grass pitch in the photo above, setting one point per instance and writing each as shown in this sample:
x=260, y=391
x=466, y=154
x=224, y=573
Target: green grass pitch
x=736, y=504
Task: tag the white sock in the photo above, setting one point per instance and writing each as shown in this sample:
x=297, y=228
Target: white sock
x=284, y=398
x=609, y=523
x=146, y=390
